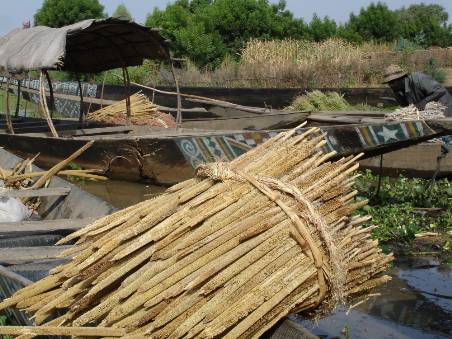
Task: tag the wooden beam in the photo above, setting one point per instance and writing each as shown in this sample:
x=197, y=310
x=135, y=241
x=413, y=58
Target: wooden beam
x=32, y=227
x=41, y=192
x=106, y=102
x=20, y=255
x=63, y=331
x=72, y=97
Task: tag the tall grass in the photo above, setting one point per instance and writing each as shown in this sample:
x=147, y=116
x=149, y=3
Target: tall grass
x=294, y=63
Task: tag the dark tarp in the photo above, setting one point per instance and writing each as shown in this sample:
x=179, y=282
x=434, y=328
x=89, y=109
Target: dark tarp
x=88, y=46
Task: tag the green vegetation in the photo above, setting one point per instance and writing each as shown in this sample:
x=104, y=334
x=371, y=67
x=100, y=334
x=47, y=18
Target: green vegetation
x=376, y=22
x=208, y=32
x=255, y=43
x=405, y=207
x=4, y=322
x=121, y=12
x=30, y=108
x=58, y=13
x=316, y=101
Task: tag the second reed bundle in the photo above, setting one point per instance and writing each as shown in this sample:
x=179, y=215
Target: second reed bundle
x=143, y=112
x=226, y=254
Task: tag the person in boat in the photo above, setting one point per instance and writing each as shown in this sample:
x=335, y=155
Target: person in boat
x=419, y=89
x=416, y=88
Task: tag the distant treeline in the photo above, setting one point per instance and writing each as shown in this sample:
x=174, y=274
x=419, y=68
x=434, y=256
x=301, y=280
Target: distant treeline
x=208, y=32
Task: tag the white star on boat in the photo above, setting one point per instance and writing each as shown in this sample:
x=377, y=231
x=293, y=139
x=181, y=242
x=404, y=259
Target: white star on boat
x=388, y=134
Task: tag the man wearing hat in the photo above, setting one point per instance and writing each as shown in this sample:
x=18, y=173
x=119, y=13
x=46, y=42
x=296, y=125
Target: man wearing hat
x=416, y=88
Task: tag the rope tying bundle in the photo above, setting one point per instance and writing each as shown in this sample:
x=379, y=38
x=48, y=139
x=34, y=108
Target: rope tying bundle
x=221, y=171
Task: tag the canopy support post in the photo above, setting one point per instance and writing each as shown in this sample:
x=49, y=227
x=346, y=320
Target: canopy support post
x=9, y=123
x=43, y=105
x=126, y=77
x=179, y=99
x=19, y=83
x=81, y=118
x=52, y=98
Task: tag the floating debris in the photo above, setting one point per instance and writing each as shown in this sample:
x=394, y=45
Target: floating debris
x=228, y=253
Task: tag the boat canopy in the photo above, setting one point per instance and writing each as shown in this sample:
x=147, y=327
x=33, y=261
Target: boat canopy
x=89, y=46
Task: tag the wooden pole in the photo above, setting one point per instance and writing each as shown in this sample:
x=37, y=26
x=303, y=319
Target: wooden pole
x=179, y=100
x=44, y=107
x=81, y=118
x=102, y=91
x=52, y=97
x=125, y=75
x=9, y=123
x=16, y=114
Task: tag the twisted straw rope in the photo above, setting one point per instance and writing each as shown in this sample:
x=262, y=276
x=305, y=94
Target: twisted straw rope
x=222, y=171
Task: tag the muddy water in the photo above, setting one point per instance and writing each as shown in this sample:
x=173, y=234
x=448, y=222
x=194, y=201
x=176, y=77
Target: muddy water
x=121, y=193
x=417, y=303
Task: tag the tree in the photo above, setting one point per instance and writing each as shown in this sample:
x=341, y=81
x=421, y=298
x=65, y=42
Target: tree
x=121, y=12
x=425, y=24
x=206, y=30
x=322, y=29
x=376, y=22
x=58, y=13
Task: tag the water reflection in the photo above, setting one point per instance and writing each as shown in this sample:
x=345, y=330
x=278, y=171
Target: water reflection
x=121, y=194
x=415, y=304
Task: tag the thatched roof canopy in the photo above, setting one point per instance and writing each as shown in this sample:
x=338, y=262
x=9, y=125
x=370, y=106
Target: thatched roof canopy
x=89, y=46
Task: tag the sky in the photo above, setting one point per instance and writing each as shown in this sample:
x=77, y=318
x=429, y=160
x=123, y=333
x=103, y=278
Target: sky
x=14, y=12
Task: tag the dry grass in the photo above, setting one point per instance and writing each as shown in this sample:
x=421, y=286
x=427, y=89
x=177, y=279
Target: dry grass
x=294, y=63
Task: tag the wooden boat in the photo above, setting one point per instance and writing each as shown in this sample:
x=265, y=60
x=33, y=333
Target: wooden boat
x=27, y=251
x=232, y=117
x=166, y=156
x=418, y=161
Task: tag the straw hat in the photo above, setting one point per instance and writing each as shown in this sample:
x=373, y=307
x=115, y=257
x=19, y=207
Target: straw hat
x=393, y=72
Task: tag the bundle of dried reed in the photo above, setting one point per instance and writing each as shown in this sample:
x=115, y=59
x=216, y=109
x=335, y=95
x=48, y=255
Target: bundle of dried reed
x=228, y=253
x=143, y=112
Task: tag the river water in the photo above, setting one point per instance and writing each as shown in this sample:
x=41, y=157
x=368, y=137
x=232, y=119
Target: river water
x=417, y=303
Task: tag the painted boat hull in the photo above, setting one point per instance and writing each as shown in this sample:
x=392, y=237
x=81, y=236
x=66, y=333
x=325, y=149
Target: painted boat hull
x=170, y=157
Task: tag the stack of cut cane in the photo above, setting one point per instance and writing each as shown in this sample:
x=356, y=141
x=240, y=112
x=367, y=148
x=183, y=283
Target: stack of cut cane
x=228, y=253
x=143, y=112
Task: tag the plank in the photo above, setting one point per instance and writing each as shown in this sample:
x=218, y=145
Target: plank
x=106, y=102
x=41, y=192
x=17, y=278
x=20, y=255
x=103, y=130
x=254, y=110
x=22, y=228
x=24, y=255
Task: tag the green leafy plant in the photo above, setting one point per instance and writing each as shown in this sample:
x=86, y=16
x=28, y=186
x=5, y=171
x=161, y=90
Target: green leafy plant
x=400, y=208
x=4, y=322
x=435, y=72
x=58, y=13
